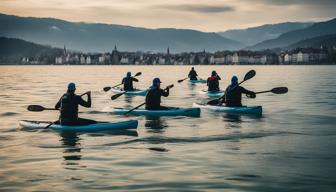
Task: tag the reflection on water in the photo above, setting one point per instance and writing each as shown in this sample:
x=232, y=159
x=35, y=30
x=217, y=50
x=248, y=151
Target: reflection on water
x=290, y=148
x=72, y=149
x=155, y=124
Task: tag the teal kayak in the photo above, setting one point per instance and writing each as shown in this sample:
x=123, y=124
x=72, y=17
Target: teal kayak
x=103, y=126
x=191, y=112
x=256, y=110
x=197, y=81
x=212, y=93
x=134, y=92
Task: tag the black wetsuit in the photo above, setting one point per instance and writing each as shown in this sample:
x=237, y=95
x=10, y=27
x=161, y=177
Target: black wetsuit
x=68, y=105
x=192, y=75
x=233, y=95
x=153, y=98
x=213, y=83
x=128, y=83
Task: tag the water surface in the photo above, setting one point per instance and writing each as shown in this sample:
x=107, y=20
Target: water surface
x=290, y=148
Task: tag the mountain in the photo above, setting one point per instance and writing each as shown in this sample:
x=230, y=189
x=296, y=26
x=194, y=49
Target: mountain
x=12, y=50
x=316, y=42
x=95, y=37
x=254, y=35
x=286, y=39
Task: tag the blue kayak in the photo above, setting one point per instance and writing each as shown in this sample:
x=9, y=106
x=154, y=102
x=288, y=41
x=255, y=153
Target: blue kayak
x=103, y=126
x=134, y=92
x=191, y=112
x=212, y=93
x=256, y=110
x=197, y=81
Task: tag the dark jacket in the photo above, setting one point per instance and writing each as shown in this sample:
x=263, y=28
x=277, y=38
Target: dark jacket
x=68, y=104
x=213, y=83
x=192, y=75
x=153, y=97
x=128, y=83
x=233, y=95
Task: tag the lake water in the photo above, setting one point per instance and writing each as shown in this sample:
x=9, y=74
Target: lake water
x=292, y=147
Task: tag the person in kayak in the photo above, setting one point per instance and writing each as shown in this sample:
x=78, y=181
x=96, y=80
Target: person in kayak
x=213, y=82
x=192, y=74
x=128, y=82
x=233, y=94
x=68, y=105
x=153, y=97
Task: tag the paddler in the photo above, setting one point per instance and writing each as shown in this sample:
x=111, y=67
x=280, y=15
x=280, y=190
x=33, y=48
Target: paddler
x=213, y=82
x=128, y=82
x=233, y=94
x=153, y=97
x=192, y=74
x=68, y=105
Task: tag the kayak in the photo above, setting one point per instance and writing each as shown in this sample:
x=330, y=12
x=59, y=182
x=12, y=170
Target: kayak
x=100, y=126
x=256, y=110
x=134, y=92
x=197, y=81
x=212, y=93
x=191, y=112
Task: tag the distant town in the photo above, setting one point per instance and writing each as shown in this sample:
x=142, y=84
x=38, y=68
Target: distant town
x=322, y=55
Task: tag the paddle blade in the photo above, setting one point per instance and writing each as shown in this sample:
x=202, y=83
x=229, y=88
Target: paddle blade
x=279, y=90
x=249, y=75
x=137, y=74
x=116, y=96
x=35, y=108
x=106, y=89
x=170, y=86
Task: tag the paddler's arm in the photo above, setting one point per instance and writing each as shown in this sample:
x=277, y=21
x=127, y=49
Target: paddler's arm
x=58, y=104
x=123, y=81
x=135, y=79
x=85, y=103
x=218, y=77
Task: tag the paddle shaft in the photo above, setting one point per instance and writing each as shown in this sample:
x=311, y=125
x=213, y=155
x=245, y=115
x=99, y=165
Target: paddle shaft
x=263, y=92
x=135, y=108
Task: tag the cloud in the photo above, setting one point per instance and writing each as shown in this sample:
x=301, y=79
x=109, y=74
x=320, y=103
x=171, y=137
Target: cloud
x=198, y=8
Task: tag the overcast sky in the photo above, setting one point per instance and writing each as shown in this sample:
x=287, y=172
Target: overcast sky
x=210, y=15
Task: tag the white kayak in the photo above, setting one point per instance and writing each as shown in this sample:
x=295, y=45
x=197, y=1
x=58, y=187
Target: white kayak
x=257, y=110
x=99, y=126
x=134, y=92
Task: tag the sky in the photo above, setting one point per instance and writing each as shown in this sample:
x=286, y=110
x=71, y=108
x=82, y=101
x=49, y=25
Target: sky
x=203, y=15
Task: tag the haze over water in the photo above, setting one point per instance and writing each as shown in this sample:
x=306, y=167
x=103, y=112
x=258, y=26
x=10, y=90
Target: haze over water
x=291, y=148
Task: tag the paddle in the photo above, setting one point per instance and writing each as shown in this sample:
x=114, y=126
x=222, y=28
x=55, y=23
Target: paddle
x=181, y=80
x=109, y=88
x=168, y=87
x=38, y=108
x=277, y=90
x=248, y=75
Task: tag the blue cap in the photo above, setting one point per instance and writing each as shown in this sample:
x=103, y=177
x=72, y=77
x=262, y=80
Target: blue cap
x=234, y=80
x=156, y=81
x=129, y=74
x=213, y=73
x=71, y=86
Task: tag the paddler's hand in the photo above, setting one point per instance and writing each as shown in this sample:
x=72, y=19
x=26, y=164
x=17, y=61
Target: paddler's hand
x=252, y=95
